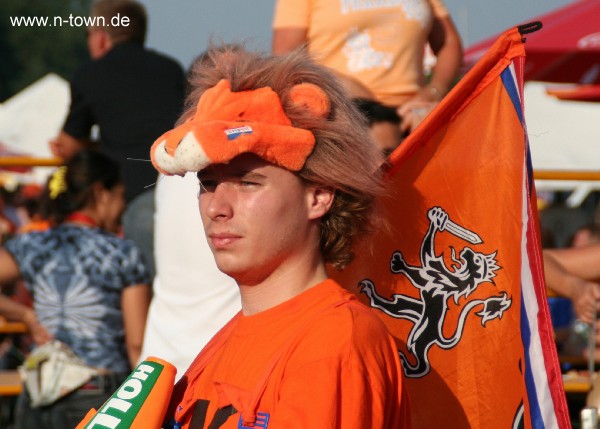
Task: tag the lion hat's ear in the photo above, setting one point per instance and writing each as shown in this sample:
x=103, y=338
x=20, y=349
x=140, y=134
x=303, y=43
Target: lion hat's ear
x=227, y=124
x=312, y=98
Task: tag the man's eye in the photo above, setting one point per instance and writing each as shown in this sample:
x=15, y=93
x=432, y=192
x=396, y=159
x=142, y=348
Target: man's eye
x=207, y=186
x=248, y=183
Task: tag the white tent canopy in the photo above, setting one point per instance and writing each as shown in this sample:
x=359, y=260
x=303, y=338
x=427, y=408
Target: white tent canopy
x=35, y=115
x=31, y=118
x=563, y=135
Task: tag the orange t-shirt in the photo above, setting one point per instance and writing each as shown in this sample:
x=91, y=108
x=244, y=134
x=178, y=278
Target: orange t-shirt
x=319, y=360
x=380, y=43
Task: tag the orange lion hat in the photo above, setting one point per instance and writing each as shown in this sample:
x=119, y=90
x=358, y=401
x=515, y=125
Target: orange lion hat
x=227, y=124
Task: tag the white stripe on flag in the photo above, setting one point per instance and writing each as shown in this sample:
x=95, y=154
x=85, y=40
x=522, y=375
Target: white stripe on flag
x=534, y=354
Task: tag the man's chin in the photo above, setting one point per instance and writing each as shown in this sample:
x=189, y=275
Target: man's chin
x=232, y=268
x=246, y=276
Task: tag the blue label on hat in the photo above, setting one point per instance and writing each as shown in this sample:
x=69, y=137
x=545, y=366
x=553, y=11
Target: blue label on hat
x=234, y=133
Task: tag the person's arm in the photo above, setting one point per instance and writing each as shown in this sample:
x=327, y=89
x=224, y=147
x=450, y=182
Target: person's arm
x=447, y=47
x=291, y=21
x=584, y=294
x=582, y=262
x=9, y=270
x=76, y=131
x=134, y=304
x=287, y=39
x=13, y=310
x=18, y=312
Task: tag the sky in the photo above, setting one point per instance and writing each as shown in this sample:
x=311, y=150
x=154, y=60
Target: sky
x=182, y=28
x=479, y=19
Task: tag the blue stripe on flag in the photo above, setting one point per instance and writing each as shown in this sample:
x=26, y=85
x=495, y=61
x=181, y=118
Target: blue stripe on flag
x=513, y=92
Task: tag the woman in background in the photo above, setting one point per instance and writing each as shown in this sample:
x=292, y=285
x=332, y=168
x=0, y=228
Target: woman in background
x=377, y=48
x=89, y=286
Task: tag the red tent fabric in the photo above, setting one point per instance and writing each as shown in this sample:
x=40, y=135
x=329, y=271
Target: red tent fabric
x=566, y=49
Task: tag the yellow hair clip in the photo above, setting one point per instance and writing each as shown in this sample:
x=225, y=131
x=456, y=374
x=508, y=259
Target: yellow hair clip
x=58, y=183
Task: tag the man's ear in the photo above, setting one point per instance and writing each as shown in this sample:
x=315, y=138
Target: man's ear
x=105, y=43
x=99, y=43
x=320, y=200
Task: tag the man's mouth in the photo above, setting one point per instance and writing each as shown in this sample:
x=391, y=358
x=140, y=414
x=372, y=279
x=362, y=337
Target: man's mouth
x=222, y=240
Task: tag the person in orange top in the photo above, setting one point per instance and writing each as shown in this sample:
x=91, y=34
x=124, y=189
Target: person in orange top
x=288, y=178
x=378, y=47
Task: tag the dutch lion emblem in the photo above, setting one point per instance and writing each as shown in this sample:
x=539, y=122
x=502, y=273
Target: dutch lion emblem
x=438, y=284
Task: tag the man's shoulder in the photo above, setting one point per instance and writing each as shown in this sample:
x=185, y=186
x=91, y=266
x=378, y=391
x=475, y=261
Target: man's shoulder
x=127, y=64
x=346, y=321
x=87, y=69
x=356, y=317
x=339, y=302
x=163, y=58
x=87, y=76
x=130, y=52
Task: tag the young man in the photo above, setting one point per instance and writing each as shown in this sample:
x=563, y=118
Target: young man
x=287, y=182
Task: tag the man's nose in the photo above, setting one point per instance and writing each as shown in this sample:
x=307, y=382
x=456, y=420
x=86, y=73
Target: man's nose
x=218, y=204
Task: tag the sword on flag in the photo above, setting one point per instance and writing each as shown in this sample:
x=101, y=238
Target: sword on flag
x=460, y=232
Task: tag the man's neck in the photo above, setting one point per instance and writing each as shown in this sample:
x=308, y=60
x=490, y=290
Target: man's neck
x=282, y=285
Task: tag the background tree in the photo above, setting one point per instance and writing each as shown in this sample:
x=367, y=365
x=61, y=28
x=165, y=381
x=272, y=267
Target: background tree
x=28, y=53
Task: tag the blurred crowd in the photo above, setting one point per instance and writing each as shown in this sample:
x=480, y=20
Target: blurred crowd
x=571, y=242
x=109, y=232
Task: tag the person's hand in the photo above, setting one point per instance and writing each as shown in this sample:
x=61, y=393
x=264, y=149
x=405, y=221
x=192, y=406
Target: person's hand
x=55, y=147
x=413, y=112
x=586, y=300
x=39, y=333
x=597, y=333
x=65, y=146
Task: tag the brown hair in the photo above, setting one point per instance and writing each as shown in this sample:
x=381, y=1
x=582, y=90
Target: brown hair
x=136, y=28
x=344, y=157
x=80, y=173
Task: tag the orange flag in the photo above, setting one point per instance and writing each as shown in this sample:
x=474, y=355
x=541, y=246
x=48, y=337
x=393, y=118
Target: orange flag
x=457, y=274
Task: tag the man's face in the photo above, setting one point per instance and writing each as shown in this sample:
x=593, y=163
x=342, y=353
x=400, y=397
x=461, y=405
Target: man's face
x=387, y=135
x=259, y=219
